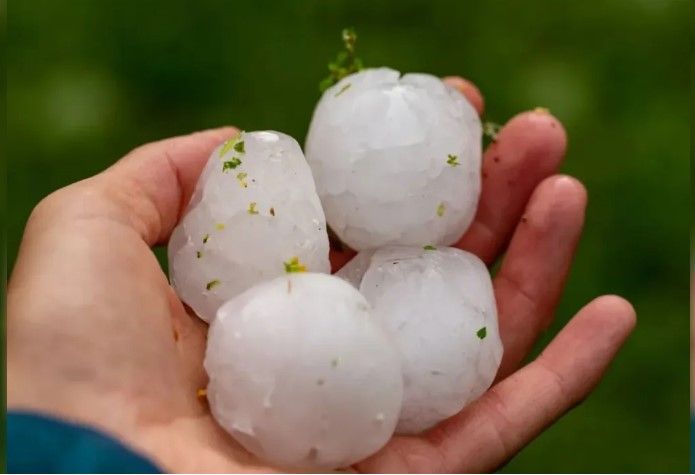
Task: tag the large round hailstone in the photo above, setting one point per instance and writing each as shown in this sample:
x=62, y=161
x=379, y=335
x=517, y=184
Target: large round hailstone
x=301, y=374
x=438, y=306
x=254, y=214
x=397, y=160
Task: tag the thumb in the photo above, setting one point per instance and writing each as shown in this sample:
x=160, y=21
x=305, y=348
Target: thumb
x=156, y=181
x=146, y=190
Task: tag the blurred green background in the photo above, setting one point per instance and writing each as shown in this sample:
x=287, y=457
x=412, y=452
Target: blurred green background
x=89, y=80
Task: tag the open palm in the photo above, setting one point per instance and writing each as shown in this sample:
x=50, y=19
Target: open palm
x=97, y=335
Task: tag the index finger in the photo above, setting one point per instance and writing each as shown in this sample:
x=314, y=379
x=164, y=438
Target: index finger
x=528, y=149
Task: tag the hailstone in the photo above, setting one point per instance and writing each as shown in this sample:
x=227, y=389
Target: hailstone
x=254, y=214
x=397, y=160
x=301, y=374
x=438, y=306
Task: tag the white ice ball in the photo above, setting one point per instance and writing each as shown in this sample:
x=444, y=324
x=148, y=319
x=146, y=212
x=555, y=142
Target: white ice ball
x=439, y=307
x=397, y=160
x=302, y=375
x=254, y=209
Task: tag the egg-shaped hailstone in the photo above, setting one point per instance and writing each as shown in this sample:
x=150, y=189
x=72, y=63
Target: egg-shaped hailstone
x=254, y=213
x=302, y=375
x=397, y=160
x=438, y=305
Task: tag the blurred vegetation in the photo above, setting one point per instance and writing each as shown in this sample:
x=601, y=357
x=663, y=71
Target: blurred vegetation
x=3, y=210
x=89, y=80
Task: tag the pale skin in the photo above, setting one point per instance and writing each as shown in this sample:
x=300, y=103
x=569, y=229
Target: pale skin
x=95, y=333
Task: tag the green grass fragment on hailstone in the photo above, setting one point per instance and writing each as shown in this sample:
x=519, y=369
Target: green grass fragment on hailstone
x=293, y=265
x=343, y=89
x=345, y=62
x=231, y=164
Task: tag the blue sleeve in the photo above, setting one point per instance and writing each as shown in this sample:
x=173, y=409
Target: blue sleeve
x=692, y=443
x=40, y=444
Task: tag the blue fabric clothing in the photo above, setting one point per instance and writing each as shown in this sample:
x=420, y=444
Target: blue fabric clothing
x=41, y=444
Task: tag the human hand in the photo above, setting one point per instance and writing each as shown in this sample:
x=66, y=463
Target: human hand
x=97, y=335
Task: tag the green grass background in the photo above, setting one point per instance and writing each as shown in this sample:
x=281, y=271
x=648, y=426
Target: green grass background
x=89, y=80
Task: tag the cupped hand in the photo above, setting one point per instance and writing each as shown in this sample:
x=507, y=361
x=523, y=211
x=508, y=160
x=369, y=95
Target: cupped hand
x=95, y=333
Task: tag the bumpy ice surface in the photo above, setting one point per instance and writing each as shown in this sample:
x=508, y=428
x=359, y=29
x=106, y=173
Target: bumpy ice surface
x=439, y=307
x=301, y=374
x=254, y=209
x=396, y=160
